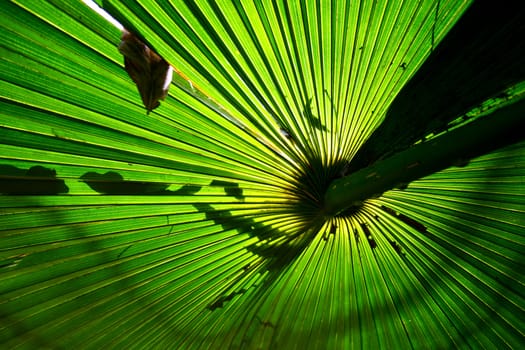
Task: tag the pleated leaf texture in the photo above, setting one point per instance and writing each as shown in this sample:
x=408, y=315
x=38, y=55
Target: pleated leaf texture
x=197, y=226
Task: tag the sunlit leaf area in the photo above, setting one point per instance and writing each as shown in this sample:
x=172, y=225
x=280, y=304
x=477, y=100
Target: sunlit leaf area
x=200, y=225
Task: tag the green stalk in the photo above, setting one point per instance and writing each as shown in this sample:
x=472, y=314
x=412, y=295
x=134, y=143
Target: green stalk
x=500, y=128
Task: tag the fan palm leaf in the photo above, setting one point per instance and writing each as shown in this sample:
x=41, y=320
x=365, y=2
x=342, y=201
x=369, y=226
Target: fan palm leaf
x=202, y=224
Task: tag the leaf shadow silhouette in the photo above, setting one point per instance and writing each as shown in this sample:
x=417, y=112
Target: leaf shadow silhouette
x=37, y=180
x=112, y=183
x=275, y=256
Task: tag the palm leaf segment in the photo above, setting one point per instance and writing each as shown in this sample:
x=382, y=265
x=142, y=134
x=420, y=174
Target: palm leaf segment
x=198, y=226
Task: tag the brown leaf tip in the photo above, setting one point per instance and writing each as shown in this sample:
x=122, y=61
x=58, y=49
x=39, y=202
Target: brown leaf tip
x=150, y=72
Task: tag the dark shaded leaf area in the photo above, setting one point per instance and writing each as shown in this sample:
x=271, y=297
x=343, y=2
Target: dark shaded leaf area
x=480, y=58
x=36, y=180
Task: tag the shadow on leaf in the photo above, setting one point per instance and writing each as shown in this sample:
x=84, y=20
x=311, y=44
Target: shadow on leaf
x=36, y=180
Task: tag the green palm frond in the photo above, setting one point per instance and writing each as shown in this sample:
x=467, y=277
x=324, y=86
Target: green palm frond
x=208, y=223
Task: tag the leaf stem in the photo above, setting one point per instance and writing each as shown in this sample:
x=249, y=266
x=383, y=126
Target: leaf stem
x=455, y=148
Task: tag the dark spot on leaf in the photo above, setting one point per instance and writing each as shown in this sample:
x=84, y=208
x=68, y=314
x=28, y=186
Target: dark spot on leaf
x=407, y=220
x=412, y=223
x=368, y=234
x=397, y=247
x=219, y=303
x=265, y=323
x=389, y=210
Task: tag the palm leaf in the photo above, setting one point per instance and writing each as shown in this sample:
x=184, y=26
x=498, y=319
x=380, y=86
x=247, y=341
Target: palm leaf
x=201, y=225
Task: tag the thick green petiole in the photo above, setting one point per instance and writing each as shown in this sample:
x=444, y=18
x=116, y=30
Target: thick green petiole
x=502, y=127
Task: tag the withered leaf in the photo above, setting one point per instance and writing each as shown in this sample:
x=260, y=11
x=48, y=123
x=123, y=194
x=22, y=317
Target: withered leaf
x=150, y=72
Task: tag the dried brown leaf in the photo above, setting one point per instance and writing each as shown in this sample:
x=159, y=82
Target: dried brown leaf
x=150, y=72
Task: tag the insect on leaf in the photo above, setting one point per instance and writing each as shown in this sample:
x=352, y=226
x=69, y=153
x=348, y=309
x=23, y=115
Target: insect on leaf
x=150, y=72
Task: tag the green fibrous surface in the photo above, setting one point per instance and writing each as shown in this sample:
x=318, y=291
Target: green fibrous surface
x=200, y=225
